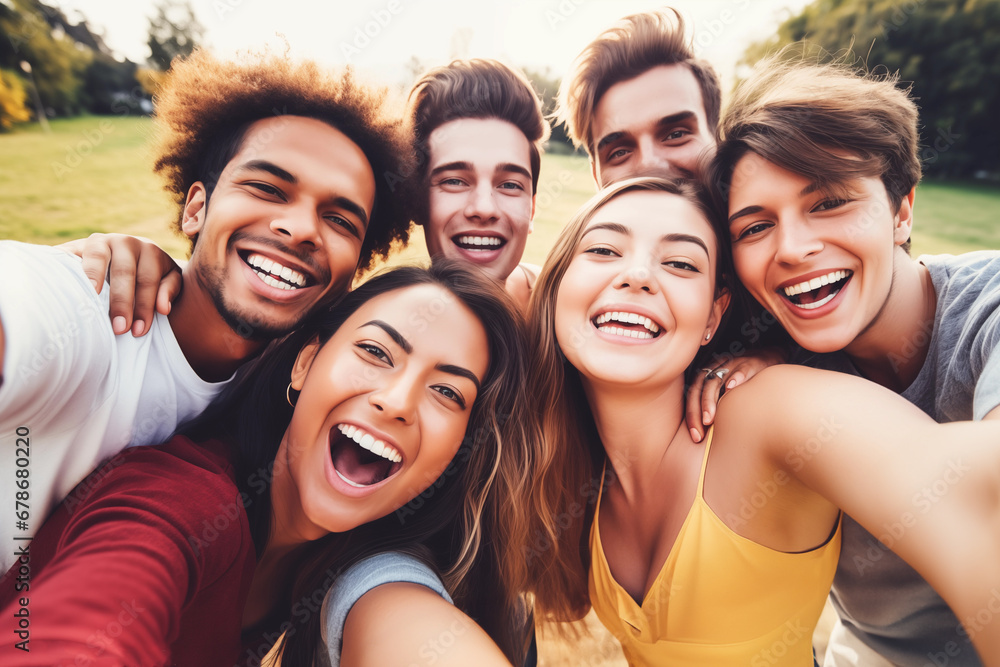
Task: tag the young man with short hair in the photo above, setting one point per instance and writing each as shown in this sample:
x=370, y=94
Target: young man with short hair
x=479, y=132
x=278, y=170
x=638, y=101
x=817, y=171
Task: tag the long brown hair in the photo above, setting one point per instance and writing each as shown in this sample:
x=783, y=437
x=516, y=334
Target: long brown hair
x=567, y=473
x=461, y=525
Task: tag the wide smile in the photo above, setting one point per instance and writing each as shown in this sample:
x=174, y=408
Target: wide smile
x=275, y=274
x=815, y=292
x=479, y=247
x=626, y=325
x=361, y=460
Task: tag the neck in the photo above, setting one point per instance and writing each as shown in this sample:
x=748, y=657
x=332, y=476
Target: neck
x=209, y=344
x=636, y=428
x=289, y=530
x=893, y=348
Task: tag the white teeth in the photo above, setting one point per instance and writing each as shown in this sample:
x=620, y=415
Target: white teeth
x=369, y=442
x=815, y=283
x=491, y=241
x=269, y=266
x=626, y=318
x=628, y=333
x=815, y=304
x=354, y=484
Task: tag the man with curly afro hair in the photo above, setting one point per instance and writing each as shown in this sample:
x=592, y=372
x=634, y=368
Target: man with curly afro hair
x=284, y=175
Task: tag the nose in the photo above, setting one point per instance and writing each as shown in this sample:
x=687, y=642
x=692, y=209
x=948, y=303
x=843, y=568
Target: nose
x=481, y=204
x=396, y=397
x=796, y=241
x=298, y=225
x=636, y=274
x=653, y=158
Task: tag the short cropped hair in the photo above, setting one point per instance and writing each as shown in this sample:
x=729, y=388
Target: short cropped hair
x=475, y=88
x=827, y=122
x=633, y=46
x=207, y=105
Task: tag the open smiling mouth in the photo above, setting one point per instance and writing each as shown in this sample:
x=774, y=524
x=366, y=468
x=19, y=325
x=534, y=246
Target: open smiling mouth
x=817, y=292
x=478, y=243
x=274, y=274
x=630, y=325
x=361, y=459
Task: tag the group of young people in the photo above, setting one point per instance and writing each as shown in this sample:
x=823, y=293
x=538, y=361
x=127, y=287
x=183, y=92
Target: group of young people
x=419, y=469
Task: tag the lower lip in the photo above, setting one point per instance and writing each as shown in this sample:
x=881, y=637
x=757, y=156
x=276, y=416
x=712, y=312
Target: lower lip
x=625, y=340
x=480, y=256
x=815, y=313
x=268, y=292
x=343, y=487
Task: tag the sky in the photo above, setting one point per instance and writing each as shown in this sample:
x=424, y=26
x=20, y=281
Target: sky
x=381, y=37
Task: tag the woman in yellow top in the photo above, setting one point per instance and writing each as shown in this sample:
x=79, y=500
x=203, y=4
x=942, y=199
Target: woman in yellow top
x=722, y=553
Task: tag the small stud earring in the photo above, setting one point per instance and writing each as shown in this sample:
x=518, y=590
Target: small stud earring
x=708, y=335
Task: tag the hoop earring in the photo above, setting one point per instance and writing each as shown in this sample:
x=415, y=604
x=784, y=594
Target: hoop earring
x=288, y=394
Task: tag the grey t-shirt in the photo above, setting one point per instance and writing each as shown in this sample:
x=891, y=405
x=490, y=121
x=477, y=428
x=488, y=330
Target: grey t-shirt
x=353, y=583
x=880, y=598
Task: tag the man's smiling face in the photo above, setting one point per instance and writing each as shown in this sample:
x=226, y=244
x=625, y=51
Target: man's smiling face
x=283, y=228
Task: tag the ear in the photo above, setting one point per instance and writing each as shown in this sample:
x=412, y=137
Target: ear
x=303, y=362
x=903, y=223
x=531, y=222
x=193, y=216
x=719, y=307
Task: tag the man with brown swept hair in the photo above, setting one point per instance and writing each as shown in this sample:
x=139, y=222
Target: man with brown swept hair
x=817, y=174
x=479, y=130
x=279, y=170
x=638, y=101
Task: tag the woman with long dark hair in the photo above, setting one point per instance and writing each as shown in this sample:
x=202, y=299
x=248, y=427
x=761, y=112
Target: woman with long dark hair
x=394, y=423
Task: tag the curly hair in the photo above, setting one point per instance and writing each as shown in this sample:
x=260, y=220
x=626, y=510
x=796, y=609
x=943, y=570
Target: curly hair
x=206, y=106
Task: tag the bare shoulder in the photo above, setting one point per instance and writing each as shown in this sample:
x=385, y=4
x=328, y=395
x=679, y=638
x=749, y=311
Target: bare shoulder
x=425, y=629
x=520, y=282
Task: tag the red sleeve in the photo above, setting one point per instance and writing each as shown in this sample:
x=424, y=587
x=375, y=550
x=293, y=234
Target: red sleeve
x=115, y=566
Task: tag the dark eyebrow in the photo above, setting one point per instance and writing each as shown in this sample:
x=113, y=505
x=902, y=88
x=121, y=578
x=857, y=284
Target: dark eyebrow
x=514, y=168
x=749, y=210
x=271, y=168
x=611, y=227
x=667, y=238
x=353, y=207
x=686, y=238
x=275, y=170
x=451, y=166
x=393, y=334
x=672, y=119
x=675, y=118
x=608, y=138
x=408, y=348
x=461, y=372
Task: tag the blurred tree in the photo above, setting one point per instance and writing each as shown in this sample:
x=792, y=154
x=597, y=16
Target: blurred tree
x=546, y=85
x=173, y=32
x=36, y=34
x=948, y=49
x=12, y=100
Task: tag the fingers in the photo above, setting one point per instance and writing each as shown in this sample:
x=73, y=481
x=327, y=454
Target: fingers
x=122, y=282
x=96, y=255
x=169, y=290
x=693, y=414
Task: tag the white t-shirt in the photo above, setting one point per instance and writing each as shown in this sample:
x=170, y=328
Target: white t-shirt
x=80, y=393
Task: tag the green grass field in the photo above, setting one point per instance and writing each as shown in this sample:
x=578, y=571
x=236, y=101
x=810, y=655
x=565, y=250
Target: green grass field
x=95, y=174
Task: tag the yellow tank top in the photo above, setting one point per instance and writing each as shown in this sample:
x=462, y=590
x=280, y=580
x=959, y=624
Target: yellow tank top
x=720, y=599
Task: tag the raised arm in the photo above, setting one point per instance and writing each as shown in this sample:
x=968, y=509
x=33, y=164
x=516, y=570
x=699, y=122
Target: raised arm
x=425, y=629
x=930, y=492
x=140, y=274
